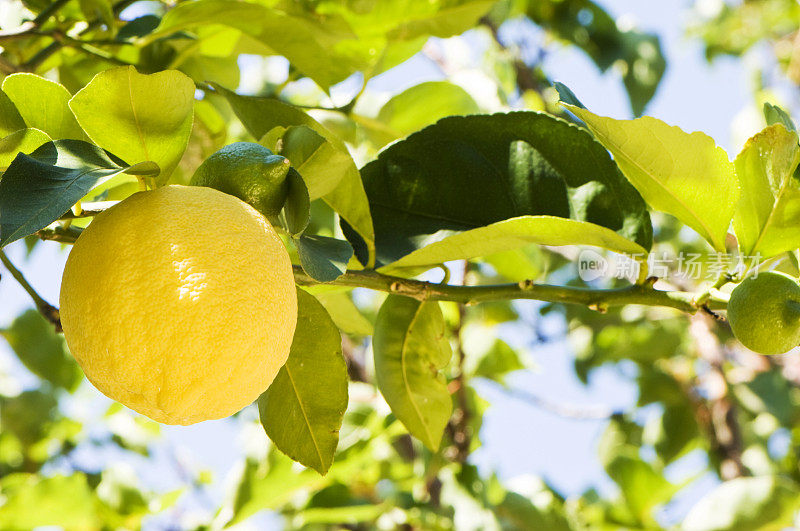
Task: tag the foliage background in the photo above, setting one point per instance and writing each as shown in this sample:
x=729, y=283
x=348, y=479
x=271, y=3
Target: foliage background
x=127, y=469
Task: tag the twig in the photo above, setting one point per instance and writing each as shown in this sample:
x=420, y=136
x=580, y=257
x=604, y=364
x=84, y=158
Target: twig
x=593, y=412
x=49, y=311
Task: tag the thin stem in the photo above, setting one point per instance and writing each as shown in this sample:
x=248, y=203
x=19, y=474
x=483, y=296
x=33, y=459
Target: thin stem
x=568, y=411
x=49, y=311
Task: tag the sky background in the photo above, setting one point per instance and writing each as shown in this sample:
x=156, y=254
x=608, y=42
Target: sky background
x=518, y=438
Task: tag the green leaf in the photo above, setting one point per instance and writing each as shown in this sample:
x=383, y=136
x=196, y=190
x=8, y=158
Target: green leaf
x=775, y=115
x=513, y=234
x=42, y=350
x=345, y=313
x=767, y=219
x=261, y=115
x=302, y=410
x=685, y=175
x=567, y=96
x=310, y=46
x=324, y=259
x=119, y=112
x=424, y=104
x=745, y=504
x=22, y=141
x=410, y=346
x=468, y=172
x=32, y=501
x=37, y=189
x=43, y=105
x=10, y=118
x=297, y=209
x=319, y=162
x=450, y=18
x=642, y=486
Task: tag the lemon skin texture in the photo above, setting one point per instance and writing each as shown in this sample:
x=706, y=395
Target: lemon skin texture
x=179, y=303
x=764, y=313
x=250, y=172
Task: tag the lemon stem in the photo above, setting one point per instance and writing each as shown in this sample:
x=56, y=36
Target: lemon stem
x=49, y=311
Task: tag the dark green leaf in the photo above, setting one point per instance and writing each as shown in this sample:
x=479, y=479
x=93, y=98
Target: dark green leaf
x=138, y=27
x=37, y=189
x=410, y=347
x=42, y=350
x=297, y=209
x=324, y=259
x=567, y=96
x=468, y=172
x=10, y=119
x=302, y=410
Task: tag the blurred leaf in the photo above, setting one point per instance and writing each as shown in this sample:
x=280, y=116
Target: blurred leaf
x=119, y=113
x=303, y=408
x=410, y=347
x=345, y=313
x=495, y=362
x=22, y=141
x=63, y=501
x=324, y=259
x=588, y=26
x=643, y=486
x=768, y=392
x=685, y=175
x=138, y=27
x=43, y=105
x=43, y=351
x=767, y=215
x=467, y=172
x=267, y=484
x=37, y=189
x=745, y=504
x=28, y=415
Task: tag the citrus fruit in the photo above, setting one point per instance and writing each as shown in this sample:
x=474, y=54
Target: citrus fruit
x=179, y=303
x=250, y=172
x=764, y=313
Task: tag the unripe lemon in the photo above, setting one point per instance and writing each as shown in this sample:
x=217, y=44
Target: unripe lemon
x=764, y=313
x=179, y=303
x=250, y=172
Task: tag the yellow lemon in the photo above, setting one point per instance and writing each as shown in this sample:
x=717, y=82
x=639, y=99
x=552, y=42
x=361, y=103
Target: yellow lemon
x=180, y=303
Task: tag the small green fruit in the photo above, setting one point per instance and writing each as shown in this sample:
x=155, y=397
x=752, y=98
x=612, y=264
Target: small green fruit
x=764, y=313
x=250, y=172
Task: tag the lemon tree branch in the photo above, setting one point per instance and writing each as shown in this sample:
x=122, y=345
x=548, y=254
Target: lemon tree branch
x=49, y=311
x=598, y=299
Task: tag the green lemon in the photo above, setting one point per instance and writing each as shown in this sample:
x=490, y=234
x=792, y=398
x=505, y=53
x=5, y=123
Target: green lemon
x=764, y=313
x=250, y=172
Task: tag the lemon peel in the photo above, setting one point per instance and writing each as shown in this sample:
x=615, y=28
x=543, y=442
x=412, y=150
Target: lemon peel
x=179, y=303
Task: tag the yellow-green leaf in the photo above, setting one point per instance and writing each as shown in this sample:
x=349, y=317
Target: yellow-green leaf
x=22, y=141
x=138, y=117
x=767, y=219
x=683, y=174
x=515, y=233
x=410, y=347
x=43, y=105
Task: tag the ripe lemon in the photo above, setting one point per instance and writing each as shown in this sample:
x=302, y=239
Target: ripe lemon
x=179, y=303
x=764, y=313
x=250, y=172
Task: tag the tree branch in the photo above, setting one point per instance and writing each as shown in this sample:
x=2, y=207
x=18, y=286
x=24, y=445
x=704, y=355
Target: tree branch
x=598, y=299
x=49, y=311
